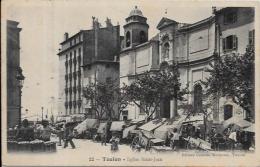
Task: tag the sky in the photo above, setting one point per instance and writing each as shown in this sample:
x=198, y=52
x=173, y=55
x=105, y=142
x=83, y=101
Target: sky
x=44, y=22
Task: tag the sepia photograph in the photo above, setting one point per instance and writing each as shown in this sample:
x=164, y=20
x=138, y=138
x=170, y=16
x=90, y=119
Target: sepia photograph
x=129, y=83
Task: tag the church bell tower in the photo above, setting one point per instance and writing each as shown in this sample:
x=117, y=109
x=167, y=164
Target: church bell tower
x=136, y=28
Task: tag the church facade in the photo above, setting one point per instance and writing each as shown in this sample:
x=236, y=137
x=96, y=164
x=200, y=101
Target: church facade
x=193, y=47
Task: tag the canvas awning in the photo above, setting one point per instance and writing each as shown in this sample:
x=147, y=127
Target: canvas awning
x=127, y=130
x=162, y=131
x=199, y=143
x=250, y=128
x=117, y=126
x=151, y=125
x=101, y=127
x=157, y=140
x=137, y=120
x=86, y=124
x=237, y=121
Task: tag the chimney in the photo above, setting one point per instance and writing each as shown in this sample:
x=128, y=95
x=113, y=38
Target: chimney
x=66, y=36
x=108, y=23
x=214, y=9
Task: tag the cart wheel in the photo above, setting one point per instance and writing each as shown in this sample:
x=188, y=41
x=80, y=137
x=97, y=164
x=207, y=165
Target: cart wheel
x=191, y=146
x=148, y=145
x=135, y=143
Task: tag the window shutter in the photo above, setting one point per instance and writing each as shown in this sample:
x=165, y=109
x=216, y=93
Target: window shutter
x=224, y=44
x=250, y=37
x=234, y=42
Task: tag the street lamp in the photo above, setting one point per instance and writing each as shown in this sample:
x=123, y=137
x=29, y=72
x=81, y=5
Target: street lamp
x=42, y=113
x=20, y=78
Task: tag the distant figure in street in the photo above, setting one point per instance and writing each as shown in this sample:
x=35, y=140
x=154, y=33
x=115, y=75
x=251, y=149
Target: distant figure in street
x=68, y=136
x=114, y=143
x=25, y=133
x=197, y=133
x=232, y=138
x=175, y=139
x=60, y=130
x=104, y=137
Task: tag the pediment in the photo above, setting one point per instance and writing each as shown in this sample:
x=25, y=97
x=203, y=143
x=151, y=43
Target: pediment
x=164, y=22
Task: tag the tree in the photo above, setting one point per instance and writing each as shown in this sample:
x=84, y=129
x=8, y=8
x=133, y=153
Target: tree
x=106, y=98
x=232, y=75
x=149, y=88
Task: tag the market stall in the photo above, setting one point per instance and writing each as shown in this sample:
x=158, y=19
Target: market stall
x=126, y=132
x=236, y=121
x=117, y=128
x=86, y=128
x=78, y=117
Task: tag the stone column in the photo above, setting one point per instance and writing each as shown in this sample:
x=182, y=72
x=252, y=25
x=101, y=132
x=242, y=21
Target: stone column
x=173, y=109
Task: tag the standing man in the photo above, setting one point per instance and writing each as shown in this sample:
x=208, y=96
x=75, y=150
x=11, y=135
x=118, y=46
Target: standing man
x=175, y=139
x=68, y=135
x=104, y=137
x=233, y=139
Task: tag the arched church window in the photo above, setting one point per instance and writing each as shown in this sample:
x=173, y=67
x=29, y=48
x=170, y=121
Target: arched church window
x=197, y=98
x=166, y=49
x=128, y=42
x=142, y=37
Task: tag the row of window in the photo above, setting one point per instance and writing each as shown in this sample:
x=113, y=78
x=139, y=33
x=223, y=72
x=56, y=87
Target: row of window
x=74, y=104
x=231, y=42
x=74, y=75
x=74, y=61
x=76, y=40
x=72, y=89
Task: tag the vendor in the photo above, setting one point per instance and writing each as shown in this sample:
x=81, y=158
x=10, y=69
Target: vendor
x=25, y=133
x=45, y=132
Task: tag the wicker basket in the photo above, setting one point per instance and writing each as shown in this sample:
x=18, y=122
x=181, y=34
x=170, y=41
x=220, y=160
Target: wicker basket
x=37, y=146
x=24, y=146
x=50, y=146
